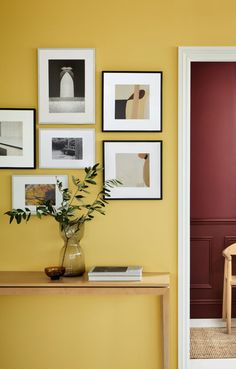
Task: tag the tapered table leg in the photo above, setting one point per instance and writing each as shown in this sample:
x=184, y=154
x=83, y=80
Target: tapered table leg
x=166, y=327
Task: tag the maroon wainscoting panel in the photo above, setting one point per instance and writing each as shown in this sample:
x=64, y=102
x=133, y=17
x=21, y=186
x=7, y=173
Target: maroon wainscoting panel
x=213, y=182
x=201, y=255
x=208, y=239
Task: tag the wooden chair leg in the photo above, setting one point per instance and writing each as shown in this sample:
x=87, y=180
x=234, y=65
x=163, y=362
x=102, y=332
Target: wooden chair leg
x=228, y=313
x=229, y=298
x=224, y=315
x=224, y=292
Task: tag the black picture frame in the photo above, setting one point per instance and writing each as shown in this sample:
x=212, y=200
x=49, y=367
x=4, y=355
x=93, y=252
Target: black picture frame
x=132, y=101
x=17, y=138
x=138, y=165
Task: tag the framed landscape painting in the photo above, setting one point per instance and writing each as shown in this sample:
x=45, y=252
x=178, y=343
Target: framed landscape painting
x=17, y=138
x=66, y=85
x=66, y=148
x=29, y=191
x=132, y=101
x=137, y=165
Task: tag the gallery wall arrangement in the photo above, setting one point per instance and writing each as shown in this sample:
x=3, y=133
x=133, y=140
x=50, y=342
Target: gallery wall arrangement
x=131, y=102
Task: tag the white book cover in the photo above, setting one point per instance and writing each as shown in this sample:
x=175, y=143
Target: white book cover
x=116, y=271
x=114, y=278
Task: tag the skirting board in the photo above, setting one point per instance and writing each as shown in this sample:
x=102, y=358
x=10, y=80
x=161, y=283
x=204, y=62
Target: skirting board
x=212, y=364
x=209, y=323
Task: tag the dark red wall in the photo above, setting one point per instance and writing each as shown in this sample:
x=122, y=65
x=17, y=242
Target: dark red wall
x=213, y=140
x=213, y=181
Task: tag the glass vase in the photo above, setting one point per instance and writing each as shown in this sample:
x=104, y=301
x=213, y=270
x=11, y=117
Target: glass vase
x=72, y=256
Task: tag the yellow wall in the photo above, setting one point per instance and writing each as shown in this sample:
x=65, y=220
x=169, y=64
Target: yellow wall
x=99, y=332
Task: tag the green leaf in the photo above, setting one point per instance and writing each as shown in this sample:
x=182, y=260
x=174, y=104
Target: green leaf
x=95, y=167
x=100, y=211
x=90, y=181
x=74, y=180
x=18, y=218
x=85, y=191
x=8, y=212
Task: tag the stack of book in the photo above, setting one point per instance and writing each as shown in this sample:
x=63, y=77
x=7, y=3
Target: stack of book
x=115, y=273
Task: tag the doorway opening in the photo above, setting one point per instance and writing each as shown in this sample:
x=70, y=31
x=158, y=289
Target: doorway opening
x=203, y=242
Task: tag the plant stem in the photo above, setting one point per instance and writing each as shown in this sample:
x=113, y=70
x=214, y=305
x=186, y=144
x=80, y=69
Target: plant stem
x=77, y=190
x=64, y=253
x=89, y=210
x=72, y=198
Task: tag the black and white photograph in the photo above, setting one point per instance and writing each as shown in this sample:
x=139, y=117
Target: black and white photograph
x=132, y=101
x=11, y=138
x=66, y=85
x=17, y=138
x=137, y=165
x=66, y=148
x=30, y=190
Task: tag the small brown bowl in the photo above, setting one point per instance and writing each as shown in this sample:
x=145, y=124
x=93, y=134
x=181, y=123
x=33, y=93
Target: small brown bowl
x=55, y=272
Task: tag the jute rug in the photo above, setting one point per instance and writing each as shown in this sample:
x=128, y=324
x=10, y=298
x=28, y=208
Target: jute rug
x=212, y=343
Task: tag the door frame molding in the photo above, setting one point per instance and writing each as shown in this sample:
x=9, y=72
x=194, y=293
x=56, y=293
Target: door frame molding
x=186, y=56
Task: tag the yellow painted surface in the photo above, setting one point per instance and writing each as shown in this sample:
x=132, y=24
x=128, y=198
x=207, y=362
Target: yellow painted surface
x=99, y=332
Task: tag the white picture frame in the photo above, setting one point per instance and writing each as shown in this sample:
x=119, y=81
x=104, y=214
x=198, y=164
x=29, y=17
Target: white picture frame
x=67, y=148
x=66, y=86
x=17, y=138
x=25, y=189
x=137, y=165
x=132, y=101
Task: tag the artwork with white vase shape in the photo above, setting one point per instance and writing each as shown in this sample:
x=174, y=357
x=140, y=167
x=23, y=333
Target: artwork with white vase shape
x=67, y=83
x=66, y=86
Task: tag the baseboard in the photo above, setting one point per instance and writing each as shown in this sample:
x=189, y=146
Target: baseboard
x=210, y=323
x=212, y=364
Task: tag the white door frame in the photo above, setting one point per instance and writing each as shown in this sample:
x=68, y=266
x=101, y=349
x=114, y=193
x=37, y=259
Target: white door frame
x=186, y=56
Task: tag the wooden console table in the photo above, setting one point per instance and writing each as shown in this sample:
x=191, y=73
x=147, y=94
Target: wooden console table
x=37, y=283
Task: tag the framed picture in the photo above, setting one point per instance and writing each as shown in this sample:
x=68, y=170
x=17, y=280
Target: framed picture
x=132, y=101
x=66, y=148
x=138, y=165
x=66, y=85
x=28, y=191
x=17, y=138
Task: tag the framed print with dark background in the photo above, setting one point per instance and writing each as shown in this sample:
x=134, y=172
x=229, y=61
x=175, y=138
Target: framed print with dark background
x=66, y=85
x=29, y=191
x=132, y=101
x=17, y=138
x=66, y=148
x=137, y=165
